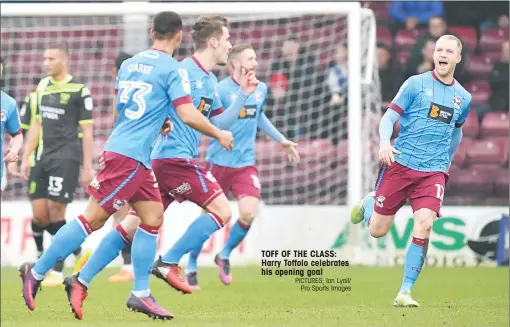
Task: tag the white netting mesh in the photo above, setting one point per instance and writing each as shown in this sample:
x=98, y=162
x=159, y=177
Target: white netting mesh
x=305, y=114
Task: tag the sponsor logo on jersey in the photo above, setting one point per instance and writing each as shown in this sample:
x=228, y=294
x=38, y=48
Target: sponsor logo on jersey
x=440, y=113
x=249, y=111
x=51, y=112
x=205, y=106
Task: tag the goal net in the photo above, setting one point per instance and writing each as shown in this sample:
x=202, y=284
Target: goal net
x=330, y=109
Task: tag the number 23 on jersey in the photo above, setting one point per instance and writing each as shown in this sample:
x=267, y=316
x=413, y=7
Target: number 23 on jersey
x=137, y=91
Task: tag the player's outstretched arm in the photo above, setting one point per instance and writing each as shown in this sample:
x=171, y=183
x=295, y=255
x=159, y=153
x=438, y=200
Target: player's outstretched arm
x=193, y=118
x=386, y=150
x=288, y=146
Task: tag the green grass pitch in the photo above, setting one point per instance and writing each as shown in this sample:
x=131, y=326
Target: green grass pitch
x=448, y=297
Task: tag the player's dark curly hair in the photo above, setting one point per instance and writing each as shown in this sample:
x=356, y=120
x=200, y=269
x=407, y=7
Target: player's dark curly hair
x=206, y=27
x=166, y=24
x=120, y=59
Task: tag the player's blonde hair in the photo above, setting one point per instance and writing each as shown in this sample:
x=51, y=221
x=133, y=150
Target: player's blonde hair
x=236, y=50
x=453, y=38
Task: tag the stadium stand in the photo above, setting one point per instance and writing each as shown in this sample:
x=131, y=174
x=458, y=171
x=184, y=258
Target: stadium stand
x=480, y=169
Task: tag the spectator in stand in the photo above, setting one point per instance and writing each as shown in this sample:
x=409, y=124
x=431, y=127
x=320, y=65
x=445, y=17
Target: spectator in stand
x=337, y=77
x=499, y=81
x=437, y=28
x=292, y=87
x=413, y=15
x=390, y=74
x=426, y=63
x=482, y=14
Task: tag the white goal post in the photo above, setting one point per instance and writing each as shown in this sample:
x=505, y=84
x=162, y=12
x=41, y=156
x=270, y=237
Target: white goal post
x=362, y=74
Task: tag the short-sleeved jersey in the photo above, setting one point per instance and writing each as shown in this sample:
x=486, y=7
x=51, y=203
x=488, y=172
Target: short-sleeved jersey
x=429, y=110
x=183, y=141
x=62, y=107
x=244, y=128
x=9, y=121
x=149, y=87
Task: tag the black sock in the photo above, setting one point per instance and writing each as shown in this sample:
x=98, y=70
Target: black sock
x=126, y=254
x=53, y=228
x=38, y=232
x=59, y=266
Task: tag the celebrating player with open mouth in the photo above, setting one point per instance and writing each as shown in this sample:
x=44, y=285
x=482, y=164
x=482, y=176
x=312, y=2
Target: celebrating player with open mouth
x=432, y=108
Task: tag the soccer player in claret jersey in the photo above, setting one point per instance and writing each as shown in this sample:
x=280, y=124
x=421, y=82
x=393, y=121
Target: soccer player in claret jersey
x=10, y=122
x=151, y=85
x=235, y=171
x=179, y=176
x=432, y=108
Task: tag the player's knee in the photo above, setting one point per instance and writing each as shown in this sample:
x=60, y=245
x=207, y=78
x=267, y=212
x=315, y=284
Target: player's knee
x=424, y=219
x=40, y=212
x=247, y=215
x=380, y=225
x=221, y=208
x=130, y=225
x=377, y=232
x=248, y=209
x=119, y=215
x=56, y=211
x=95, y=215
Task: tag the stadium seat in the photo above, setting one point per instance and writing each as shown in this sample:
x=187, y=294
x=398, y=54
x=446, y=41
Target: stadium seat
x=495, y=124
x=384, y=36
x=471, y=181
x=480, y=91
x=471, y=126
x=316, y=149
x=467, y=35
x=485, y=151
x=491, y=39
x=342, y=151
x=479, y=66
x=381, y=10
x=501, y=183
x=492, y=56
x=504, y=144
x=405, y=39
x=460, y=157
x=268, y=152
